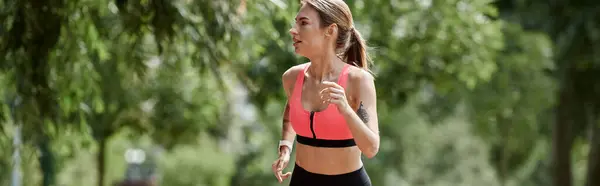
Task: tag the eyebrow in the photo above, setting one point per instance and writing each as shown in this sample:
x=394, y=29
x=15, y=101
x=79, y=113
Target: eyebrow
x=301, y=18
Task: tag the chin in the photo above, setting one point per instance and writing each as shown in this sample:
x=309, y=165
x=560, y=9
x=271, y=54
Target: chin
x=299, y=52
x=302, y=55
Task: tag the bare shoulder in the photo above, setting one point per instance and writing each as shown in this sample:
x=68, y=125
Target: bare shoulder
x=289, y=76
x=291, y=73
x=361, y=88
x=359, y=78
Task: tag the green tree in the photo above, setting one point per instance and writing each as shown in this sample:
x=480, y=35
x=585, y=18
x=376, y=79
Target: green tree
x=31, y=30
x=572, y=28
x=510, y=110
x=100, y=61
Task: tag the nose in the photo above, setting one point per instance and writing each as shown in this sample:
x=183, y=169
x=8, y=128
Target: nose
x=293, y=31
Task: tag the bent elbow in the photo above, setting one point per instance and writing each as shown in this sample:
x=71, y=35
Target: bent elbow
x=371, y=152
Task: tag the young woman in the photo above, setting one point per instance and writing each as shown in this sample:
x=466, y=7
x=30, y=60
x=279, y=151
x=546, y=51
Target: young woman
x=331, y=108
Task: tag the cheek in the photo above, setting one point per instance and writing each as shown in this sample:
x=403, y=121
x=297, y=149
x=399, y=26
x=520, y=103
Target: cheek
x=310, y=35
x=314, y=40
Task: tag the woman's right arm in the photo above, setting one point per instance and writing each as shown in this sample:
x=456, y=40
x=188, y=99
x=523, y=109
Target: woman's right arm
x=287, y=132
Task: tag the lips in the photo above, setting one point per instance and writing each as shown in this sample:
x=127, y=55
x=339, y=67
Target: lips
x=296, y=42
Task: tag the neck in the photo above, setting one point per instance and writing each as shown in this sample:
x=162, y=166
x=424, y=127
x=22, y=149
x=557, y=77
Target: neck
x=324, y=67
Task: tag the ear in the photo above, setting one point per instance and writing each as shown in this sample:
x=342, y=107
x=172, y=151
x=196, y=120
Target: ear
x=331, y=30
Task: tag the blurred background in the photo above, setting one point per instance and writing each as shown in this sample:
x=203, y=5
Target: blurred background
x=188, y=93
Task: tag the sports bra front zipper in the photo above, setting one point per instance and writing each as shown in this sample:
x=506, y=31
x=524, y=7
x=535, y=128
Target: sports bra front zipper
x=312, y=117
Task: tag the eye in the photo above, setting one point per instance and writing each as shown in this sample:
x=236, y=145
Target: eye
x=303, y=23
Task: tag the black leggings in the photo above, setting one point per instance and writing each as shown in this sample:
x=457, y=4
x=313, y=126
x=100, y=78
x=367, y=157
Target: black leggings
x=301, y=177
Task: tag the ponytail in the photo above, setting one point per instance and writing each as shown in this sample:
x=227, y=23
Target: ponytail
x=356, y=54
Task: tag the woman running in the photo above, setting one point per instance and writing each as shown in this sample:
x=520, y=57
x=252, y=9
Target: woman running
x=331, y=109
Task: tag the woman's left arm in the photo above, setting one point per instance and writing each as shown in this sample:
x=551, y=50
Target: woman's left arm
x=362, y=120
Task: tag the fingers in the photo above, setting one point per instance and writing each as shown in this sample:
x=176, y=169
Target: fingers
x=279, y=178
x=335, y=96
x=283, y=176
x=331, y=90
x=331, y=87
x=332, y=95
x=280, y=167
x=331, y=84
x=277, y=171
x=286, y=175
x=325, y=95
x=277, y=167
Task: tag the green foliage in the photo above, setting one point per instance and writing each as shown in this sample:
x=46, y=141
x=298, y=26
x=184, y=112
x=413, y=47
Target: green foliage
x=214, y=168
x=447, y=153
x=184, y=103
x=509, y=110
x=270, y=52
x=465, y=98
x=447, y=44
x=573, y=30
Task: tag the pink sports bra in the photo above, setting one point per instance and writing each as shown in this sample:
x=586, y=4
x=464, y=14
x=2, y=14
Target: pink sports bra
x=325, y=128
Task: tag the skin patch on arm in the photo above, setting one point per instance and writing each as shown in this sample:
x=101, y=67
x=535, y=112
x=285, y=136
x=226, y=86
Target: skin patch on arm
x=286, y=113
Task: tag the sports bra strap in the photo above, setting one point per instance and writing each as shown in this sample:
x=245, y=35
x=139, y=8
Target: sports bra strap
x=300, y=77
x=343, y=79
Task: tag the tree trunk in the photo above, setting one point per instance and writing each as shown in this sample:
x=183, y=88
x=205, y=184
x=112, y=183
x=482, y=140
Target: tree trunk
x=562, y=140
x=593, y=172
x=101, y=157
x=46, y=160
x=503, y=128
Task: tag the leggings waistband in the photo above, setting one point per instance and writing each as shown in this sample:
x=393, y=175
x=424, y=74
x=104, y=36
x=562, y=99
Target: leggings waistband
x=301, y=176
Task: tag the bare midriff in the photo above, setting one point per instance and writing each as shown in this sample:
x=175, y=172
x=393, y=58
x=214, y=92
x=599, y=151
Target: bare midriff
x=328, y=161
